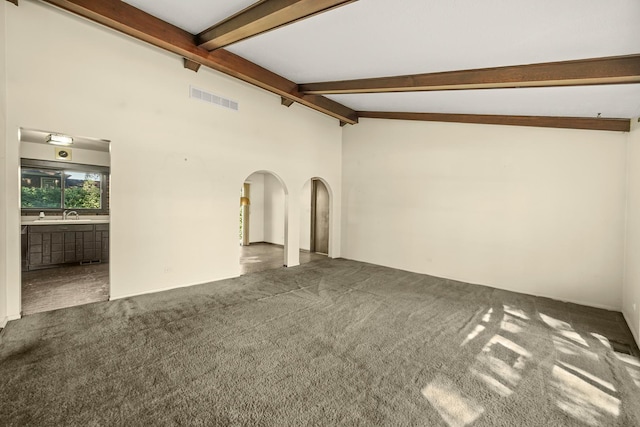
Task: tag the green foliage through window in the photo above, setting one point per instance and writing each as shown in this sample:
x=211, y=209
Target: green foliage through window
x=43, y=188
x=84, y=196
x=41, y=197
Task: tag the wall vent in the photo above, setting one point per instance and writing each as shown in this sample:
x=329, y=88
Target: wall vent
x=214, y=99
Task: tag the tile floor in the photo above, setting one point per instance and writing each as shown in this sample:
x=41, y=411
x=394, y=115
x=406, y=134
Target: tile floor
x=265, y=256
x=67, y=286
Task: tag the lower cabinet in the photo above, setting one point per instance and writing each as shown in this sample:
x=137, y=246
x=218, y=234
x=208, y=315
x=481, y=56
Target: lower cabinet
x=102, y=241
x=59, y=244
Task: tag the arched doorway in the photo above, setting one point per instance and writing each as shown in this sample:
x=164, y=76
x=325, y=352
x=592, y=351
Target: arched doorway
x=315, y=218
x=263, y=222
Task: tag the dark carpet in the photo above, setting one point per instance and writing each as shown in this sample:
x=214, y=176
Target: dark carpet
x=332, y=342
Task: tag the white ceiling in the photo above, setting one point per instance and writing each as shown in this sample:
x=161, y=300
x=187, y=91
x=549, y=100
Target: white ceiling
x=193, y=16
x=85, y=143
x=613, y=101
x=376, y=38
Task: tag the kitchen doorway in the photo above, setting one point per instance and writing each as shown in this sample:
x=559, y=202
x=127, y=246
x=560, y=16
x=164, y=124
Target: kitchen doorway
x=65, y=220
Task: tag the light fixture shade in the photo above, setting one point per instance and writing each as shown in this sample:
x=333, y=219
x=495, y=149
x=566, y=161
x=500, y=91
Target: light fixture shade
x=59, y=139
x=244, y=201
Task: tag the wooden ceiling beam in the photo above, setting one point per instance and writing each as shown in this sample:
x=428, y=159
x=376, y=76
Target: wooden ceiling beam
x=620, y=125
x=286, y=102
x=595, y=71
x=190, y=65
x=129, y=20
x=261, y=17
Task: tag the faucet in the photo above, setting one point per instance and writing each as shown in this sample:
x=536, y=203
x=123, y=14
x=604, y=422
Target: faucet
x=66, y=213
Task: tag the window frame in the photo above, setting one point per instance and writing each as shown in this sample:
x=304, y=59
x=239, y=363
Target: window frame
x=104, y=172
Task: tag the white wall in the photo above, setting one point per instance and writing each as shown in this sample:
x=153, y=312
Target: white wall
x=631, y=289
x=176, y=164
x=274, y=210
x=305, y=216
x=256, y=208
x=3, y=181
x=532, y=210
x=31, y=150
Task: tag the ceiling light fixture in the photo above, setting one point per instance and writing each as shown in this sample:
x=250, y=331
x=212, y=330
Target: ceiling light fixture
x=59, y=139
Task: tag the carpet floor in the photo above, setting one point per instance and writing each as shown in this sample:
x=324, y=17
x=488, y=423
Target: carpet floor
x=332, y=342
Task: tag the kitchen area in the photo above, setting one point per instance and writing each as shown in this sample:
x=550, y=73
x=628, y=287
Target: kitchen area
x=64, y=211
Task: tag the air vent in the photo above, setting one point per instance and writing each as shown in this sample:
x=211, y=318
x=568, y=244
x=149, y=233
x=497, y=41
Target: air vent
x=214, y=99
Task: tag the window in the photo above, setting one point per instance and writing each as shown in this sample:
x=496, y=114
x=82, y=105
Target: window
x=55, y=186
x=82, y=190
x=41, y=188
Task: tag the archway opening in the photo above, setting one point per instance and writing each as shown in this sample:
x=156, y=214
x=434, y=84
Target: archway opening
x=263, y=223
x=315, y=218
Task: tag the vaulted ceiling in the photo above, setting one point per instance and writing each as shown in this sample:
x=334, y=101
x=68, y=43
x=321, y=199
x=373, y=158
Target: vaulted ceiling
x=456, y=60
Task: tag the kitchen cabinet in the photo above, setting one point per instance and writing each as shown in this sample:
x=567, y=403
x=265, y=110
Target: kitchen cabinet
x=48, y=245
x=102, y=241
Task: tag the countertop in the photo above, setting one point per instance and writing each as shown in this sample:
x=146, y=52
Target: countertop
x=60, y=221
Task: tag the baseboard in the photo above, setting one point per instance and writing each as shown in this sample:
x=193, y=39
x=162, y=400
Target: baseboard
x=572, y=301
x=556, y=298
x=266, y=243
x=153, y=291
x=7, y=319
x=634, y=332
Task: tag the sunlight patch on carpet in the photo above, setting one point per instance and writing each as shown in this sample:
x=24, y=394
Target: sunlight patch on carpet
x=512, y=324
x=582, y=400
x=499, y=364
x=564, y=329
x=515, y=312
x=476, y=331
x=632, y=365
x=492, y=383
x=454, y=408
x=603, y=340
x=567, y=347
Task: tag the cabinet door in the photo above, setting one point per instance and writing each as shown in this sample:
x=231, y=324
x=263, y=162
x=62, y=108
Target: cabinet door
x=102, y=242
x=35, y=248
x=69, y=246
x=46, y=248
x=79, y=246
x=105, y=245
x=89, y=245
x=24, y=247
x=59, y=244
x=57, y=247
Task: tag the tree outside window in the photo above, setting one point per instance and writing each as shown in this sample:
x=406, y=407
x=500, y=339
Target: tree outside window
x=44, y=188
